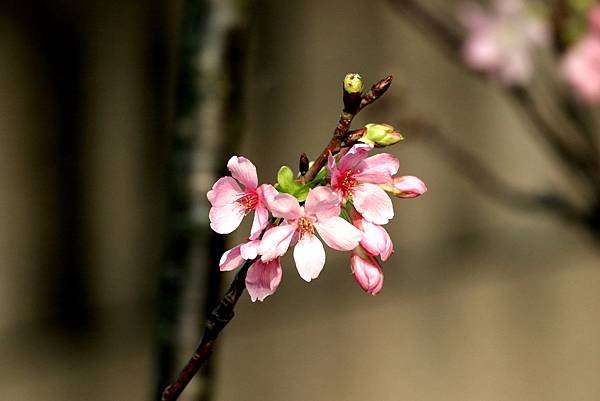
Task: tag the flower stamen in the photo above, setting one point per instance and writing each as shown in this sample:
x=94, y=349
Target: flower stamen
x=249, y=201
x=347, y=183
x=305, y=226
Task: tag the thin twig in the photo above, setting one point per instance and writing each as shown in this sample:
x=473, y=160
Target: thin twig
x=343, y=125
x=217, y=320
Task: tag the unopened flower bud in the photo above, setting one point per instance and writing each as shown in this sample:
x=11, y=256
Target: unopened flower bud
x=381, y=135
x=353, y=83
x=303, y=164
x=366, y=270
x=406, y=186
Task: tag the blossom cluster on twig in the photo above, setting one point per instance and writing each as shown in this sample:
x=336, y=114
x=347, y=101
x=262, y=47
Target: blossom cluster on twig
x=346, y=205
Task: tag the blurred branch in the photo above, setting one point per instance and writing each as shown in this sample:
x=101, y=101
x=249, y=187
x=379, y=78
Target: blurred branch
x=207, y=129
x=578, y=154
x=488, y=182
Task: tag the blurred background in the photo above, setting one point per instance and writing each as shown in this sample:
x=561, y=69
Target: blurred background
x=117, y=117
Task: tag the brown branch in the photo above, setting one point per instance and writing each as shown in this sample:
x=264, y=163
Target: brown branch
x=343, y=125
x=217, y=320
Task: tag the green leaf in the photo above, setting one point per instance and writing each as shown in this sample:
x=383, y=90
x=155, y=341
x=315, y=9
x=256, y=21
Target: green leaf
x=285, y=179
x=321, y=174
x=301, y=193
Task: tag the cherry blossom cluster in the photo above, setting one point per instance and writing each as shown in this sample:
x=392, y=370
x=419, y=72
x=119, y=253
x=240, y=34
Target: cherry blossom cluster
x=345, y=206
x=501, y=40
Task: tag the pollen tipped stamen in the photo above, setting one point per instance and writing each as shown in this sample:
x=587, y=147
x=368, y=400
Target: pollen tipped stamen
x=249, y=201
x=347, y=183
x=305, y=226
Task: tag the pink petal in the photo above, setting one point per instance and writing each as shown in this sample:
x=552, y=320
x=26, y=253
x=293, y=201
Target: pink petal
x=226, y=218
x=373, y=203
x=276, y=241
x=244, y=171
x=355, y=155
x=322, y=202
x=266, y=193
x=367, y=272
x=249, y=250
x=334, y=173
x=261, y=219
x=263, y=279
x=231, y=259
x=225, y=190
x=286, y=206
x=377, y=169
x=376, y=240
x=408, y=186
x=309, y=256
x=338, y=233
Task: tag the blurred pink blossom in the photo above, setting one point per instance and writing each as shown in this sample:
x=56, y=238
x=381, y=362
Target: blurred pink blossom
x=500, y=41
x=594, y=19
x=581, y=68
x=581, y=65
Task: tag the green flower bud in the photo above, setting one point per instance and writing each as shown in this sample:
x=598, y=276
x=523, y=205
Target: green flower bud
x=381, y=135
x=353, y=83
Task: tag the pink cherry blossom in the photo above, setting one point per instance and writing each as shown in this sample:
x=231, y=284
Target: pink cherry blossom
x=366, y=270
x=581, y=65
x=375, y=239
x=230, y=202
x=357, y=175
x=500, y=41
x=262, y=278
x=320, y=214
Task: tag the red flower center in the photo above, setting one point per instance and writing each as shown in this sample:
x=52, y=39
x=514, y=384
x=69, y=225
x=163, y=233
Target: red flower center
x=249, y=201
x=347, y=183
x=305, y=226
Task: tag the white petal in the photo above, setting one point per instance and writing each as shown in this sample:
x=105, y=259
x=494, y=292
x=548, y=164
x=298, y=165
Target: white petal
x=338, y=233
x=226, y=218
x=373, y=203
x=309, y=256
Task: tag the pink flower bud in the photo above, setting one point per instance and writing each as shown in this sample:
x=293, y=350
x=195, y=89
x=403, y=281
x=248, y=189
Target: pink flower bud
x=406, y=186
x=366, y=270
